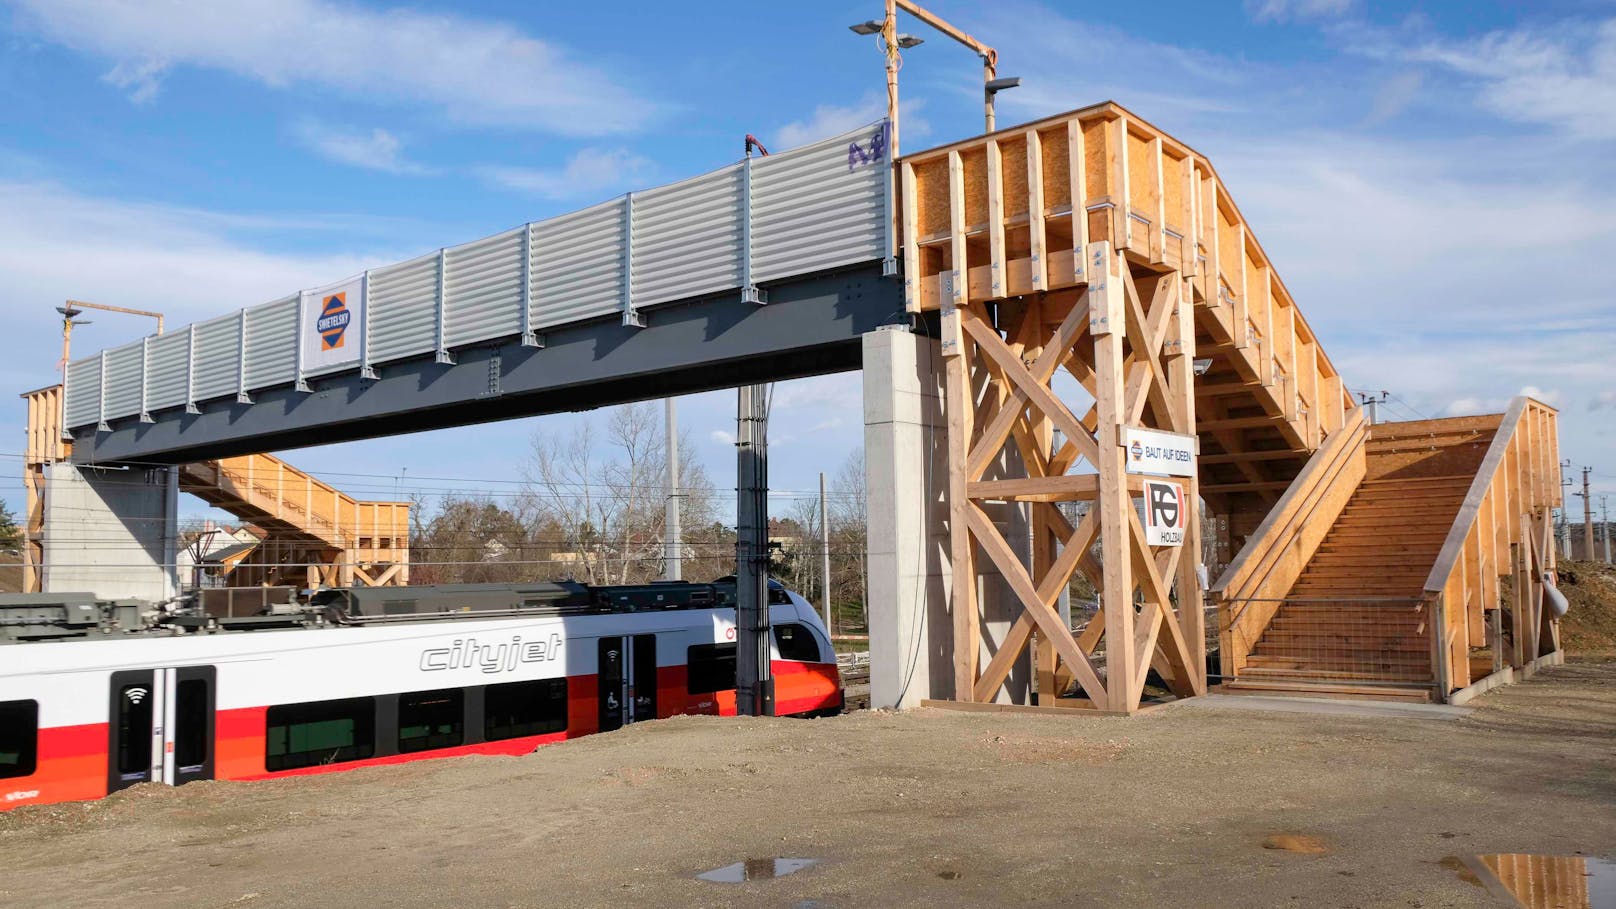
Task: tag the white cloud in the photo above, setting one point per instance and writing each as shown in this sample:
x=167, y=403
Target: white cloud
x=1394, y=96
x=1604, y=400
x=590, y=171
x=475, y=71
x=720, y=437
x=1281, y=10
x=141, y=78
x=375, y=150
x=1564, y=77
x=187, y=263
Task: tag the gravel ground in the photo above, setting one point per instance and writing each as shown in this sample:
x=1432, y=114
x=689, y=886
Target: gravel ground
x=927, y=808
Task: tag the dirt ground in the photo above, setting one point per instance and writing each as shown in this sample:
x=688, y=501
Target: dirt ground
x=927, y=808
x=1589, y=627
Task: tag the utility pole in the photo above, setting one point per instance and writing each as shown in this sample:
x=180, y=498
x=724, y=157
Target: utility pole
x=1373, y=402
x=1604, y=524
x=672, y=551
x=754, y=682
x=824, y=551
x=1565, y=517
x=1587, y=516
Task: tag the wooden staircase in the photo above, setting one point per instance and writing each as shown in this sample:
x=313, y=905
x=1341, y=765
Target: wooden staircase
x=1355, y=620
x=313, y=528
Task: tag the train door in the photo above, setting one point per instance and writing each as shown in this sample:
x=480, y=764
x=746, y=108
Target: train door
x=160, y=727
x=627, y=680
x=613, y=682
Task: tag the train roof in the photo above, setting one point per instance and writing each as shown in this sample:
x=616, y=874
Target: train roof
x=82, y=616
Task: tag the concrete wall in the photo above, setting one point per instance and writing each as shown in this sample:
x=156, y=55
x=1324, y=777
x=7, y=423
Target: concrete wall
x=111, y=532
x=906, y=476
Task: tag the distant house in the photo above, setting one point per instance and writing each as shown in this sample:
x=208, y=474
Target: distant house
x=215, y=550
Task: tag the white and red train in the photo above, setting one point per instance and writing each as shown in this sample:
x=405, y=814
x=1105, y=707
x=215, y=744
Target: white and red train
x=90, y=705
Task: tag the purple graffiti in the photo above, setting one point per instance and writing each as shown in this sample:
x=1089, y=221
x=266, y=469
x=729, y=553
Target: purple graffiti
x=859, y=155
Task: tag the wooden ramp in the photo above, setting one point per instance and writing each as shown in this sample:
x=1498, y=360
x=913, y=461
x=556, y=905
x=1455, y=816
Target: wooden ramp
x=1346, y=589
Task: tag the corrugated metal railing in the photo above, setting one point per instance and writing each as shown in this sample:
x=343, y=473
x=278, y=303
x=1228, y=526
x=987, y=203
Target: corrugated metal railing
x=759, y=220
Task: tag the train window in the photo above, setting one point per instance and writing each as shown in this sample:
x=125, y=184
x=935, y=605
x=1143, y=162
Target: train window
x=320, y=732
x=431, y=719
x=19, y=738
x=796, y=642
x=710, y=667
x=515, y=709
x=191, y=705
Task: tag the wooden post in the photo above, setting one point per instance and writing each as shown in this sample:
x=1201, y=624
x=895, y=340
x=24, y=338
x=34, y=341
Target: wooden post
x=1114, y=502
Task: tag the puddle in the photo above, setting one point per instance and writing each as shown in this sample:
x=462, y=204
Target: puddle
x=1295, y=842
x=1457, y=866
x=1542, y=881
x=756, y=870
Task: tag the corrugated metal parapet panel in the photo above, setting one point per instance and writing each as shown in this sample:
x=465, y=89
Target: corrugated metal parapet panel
x=820, y=206
x=402, y=310
x=214, y=373
x=804, y=210
x=578, y=266
x=687, y=238
x=83, y=404
x=272, y=343
x=123, y=381
x=165, y=370
x=484, y=289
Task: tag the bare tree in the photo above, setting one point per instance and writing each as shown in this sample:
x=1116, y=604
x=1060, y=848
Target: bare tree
x=847, y=507
x=604, y=495
x=472, y=540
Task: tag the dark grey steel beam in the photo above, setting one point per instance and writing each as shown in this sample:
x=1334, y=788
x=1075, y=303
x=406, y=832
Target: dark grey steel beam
x=810, y=326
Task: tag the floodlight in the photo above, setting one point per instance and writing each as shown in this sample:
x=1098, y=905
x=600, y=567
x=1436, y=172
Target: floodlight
x=866, y=28
x=908, y=41
x=68, y=312
x=1202, y=366
x=994, y=86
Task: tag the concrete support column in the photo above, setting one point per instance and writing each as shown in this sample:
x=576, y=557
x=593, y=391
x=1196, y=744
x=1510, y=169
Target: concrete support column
x=111, y=532
x=906, y=477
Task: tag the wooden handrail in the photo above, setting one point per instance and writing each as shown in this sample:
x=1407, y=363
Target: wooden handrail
x=1448, y=558
x=1495, y=533
x=1270, y=537
x=1249, y=591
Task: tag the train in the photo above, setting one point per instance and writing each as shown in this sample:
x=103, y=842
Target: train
x=97, y=696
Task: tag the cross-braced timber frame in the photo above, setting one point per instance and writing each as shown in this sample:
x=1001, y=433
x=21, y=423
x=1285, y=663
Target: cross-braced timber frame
x=1112, y=292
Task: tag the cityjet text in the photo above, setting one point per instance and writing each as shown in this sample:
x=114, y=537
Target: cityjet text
x=491, y=658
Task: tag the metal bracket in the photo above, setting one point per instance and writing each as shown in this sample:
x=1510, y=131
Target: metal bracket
x=751, y=294
x=631, y=316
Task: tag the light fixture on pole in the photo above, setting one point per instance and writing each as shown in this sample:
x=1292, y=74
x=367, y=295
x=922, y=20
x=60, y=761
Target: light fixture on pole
x=991, y=88
x=888, y=30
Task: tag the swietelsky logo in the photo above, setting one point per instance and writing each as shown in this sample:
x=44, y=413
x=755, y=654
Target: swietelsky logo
x=333, y=322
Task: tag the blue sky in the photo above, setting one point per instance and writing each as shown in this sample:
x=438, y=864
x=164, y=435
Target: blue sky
x=1432, y=180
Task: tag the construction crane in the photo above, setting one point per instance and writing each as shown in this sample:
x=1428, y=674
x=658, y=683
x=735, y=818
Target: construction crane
x=74, y=308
